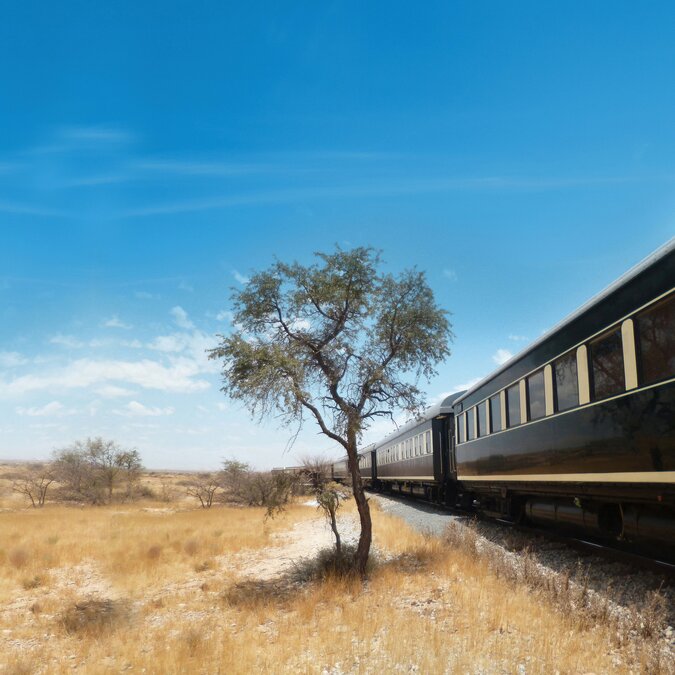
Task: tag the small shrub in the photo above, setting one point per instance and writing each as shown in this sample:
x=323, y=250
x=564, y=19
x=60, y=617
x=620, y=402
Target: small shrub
x=93, y=617
x=33, y=582
x=204, y=566
x=462, y=537
x=328, y=564
x=154, y=552
x=192, y=638
x=18, y=557
x=191, y=547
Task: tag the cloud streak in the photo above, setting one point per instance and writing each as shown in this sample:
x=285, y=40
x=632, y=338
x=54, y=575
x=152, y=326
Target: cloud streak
x=180, y=376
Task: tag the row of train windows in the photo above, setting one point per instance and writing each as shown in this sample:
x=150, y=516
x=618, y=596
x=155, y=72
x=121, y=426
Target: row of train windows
x=412, y=447
x=652, y=332
x=364, y=461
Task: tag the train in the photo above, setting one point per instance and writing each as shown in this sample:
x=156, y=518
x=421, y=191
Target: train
x=576, y=432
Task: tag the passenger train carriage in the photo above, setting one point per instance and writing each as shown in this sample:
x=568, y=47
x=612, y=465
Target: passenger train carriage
x=340, y=469
x=415, y=458
x=578, y=429
x=585, y=416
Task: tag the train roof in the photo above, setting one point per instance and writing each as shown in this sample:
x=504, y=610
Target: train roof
x=651, y=259
x=442, y=408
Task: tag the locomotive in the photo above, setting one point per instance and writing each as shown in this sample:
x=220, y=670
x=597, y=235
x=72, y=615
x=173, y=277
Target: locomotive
x=577, y=431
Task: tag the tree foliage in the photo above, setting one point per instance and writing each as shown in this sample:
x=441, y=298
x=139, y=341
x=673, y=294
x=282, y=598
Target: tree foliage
x=339, y=341
x=90, y=470
x=34, y=482
x=203, y=487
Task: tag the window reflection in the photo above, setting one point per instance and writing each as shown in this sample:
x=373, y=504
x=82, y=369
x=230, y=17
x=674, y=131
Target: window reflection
x=513, y=405
x=495, y=414
x=565, y=382
x=536, y=398
x=606, y=357
x=656, y=342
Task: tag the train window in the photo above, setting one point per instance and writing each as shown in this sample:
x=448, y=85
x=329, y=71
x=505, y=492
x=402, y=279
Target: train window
x=428, y=435
x=470, y=426
x=565, y=382
x=482, y=418
x=460, y=429
x=416, y=446
x=656, y=342
x=536, y=398
x=513, y=405
x=606, y=359
x=495, y=414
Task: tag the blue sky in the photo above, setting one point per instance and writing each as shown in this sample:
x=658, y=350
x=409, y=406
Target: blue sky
x=153, y=155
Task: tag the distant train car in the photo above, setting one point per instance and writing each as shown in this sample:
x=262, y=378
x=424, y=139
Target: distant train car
x=340, y=470
x=416, y=458
x=579, y=429
x=367, y=465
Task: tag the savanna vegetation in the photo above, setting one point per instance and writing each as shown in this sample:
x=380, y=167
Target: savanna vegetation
x=173, y=588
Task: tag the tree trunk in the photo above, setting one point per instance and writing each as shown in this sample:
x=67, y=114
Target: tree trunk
x=366, y=537
x=333, y=526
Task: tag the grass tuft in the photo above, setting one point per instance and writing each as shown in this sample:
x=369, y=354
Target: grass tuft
x=18, y=557
x=94, y=617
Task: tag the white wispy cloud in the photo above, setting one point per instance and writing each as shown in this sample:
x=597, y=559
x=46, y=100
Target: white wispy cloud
x=181, y=375
x=197, y=168
x=180, y=317
x=113, y=391
x=115, y=322
x=12, y=359
x=53, y=409
x=518, y=338
x=69, y=341
x=185, y=286
x=430, y=185
x=136, y=409
x=501, y=356
x=145, y=295
x=20, y=209
x=450, y=274
x=240, y=277
x=225, y=315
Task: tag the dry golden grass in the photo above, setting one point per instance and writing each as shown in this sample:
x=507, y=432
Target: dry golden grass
x=160, y=592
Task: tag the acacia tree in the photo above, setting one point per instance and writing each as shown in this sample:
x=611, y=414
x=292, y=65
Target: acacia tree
x=204, y=487
x=34, y=483
x=338, y=341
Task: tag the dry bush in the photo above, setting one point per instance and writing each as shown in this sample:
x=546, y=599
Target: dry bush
x=154, y=552
x=193, y=639
x=256, y=594
x=204, y=566
x=94, y=617
x=191, y=547
x=18, y=557
x=328, y=564
x=33, y=582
